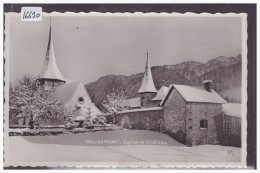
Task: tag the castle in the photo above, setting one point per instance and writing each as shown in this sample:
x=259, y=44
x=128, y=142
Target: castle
x=193, y=115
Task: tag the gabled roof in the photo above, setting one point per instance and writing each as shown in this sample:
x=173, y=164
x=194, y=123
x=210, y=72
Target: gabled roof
x=195, y=94
x=66, y=91
x=134, y=102
x=161, y=93
x=147, y=83
x=232, y=109
x=69, y=94
x=50, y=68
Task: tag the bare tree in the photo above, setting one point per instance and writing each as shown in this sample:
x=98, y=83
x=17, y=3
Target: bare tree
x=115, y=101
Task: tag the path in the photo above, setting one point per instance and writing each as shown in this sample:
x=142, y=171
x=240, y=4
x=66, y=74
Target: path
x=73, y=149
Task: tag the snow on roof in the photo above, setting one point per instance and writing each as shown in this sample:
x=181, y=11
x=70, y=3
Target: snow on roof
x=134, y=102
x=232, y=109
x=50, y=68
x=147, y=83
x=195, y=94
x=161, y=93
x=142, y=109
x=65, y=92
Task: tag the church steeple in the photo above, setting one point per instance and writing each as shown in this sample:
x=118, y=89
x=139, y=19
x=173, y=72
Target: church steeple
x=50, y=74
x=147, y=83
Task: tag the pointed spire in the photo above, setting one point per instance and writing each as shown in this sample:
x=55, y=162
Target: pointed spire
x=147, y=84
x=50, y=68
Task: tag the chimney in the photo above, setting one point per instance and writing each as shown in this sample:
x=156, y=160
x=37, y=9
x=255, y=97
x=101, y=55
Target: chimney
x=208, y=85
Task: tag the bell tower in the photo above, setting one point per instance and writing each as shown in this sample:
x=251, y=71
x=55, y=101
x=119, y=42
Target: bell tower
x=147, y=90
x=50, y=75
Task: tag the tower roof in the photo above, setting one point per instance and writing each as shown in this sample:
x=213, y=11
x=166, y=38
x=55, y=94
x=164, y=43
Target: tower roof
x=147, y=83
x=161, y=93
x=50, y=68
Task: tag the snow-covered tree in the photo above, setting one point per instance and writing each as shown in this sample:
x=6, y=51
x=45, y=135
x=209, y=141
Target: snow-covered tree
x=115, y=101
x=29, y=99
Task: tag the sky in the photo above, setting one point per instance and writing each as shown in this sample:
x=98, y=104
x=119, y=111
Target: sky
x=88, y=48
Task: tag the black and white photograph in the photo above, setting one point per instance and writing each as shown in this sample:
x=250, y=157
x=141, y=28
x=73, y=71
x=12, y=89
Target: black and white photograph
x=125, y=89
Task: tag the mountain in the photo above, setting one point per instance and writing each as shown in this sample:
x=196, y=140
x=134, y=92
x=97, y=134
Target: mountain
x=224, y=71
x=131, y=84
x=188, y=68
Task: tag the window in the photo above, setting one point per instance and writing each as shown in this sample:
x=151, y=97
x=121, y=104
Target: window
x=81, y=100
x=203, y=124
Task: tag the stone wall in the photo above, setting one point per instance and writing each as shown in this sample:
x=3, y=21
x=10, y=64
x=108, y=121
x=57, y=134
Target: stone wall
x=145, y=99
x=231, y=131
x=174, y=116
x=154, y=103
x=140, y=119
x=212, y=113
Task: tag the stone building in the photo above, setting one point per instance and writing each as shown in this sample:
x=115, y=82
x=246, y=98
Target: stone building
x=147, y=90
x=145, y=111
x=142, y=119
x=159, y=96
x=148, y=94
x=231, y=124
x=193, y=115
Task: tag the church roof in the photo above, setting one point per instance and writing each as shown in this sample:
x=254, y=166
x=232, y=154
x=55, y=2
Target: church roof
x=50, y=68
x=195, y=94
x=66, y=91
x=147, y=83
x=161, y=93
x=69, y=94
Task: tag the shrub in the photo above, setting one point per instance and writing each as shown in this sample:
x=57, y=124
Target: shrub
x=100, y=119
x=88, y=123
x=70, y=123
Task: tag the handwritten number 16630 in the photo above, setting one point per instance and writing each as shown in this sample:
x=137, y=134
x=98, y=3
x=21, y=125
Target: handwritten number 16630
x=30, y=14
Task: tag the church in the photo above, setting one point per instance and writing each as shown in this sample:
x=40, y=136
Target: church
x=73, y=93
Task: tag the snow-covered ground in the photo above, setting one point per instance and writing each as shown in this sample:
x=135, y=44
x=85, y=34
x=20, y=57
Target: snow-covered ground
x=75, y=148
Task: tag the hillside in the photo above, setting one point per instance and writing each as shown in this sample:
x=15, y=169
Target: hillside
x=224, y=71
x=131, y=84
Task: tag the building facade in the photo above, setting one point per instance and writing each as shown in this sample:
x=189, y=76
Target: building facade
x=192, y=115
